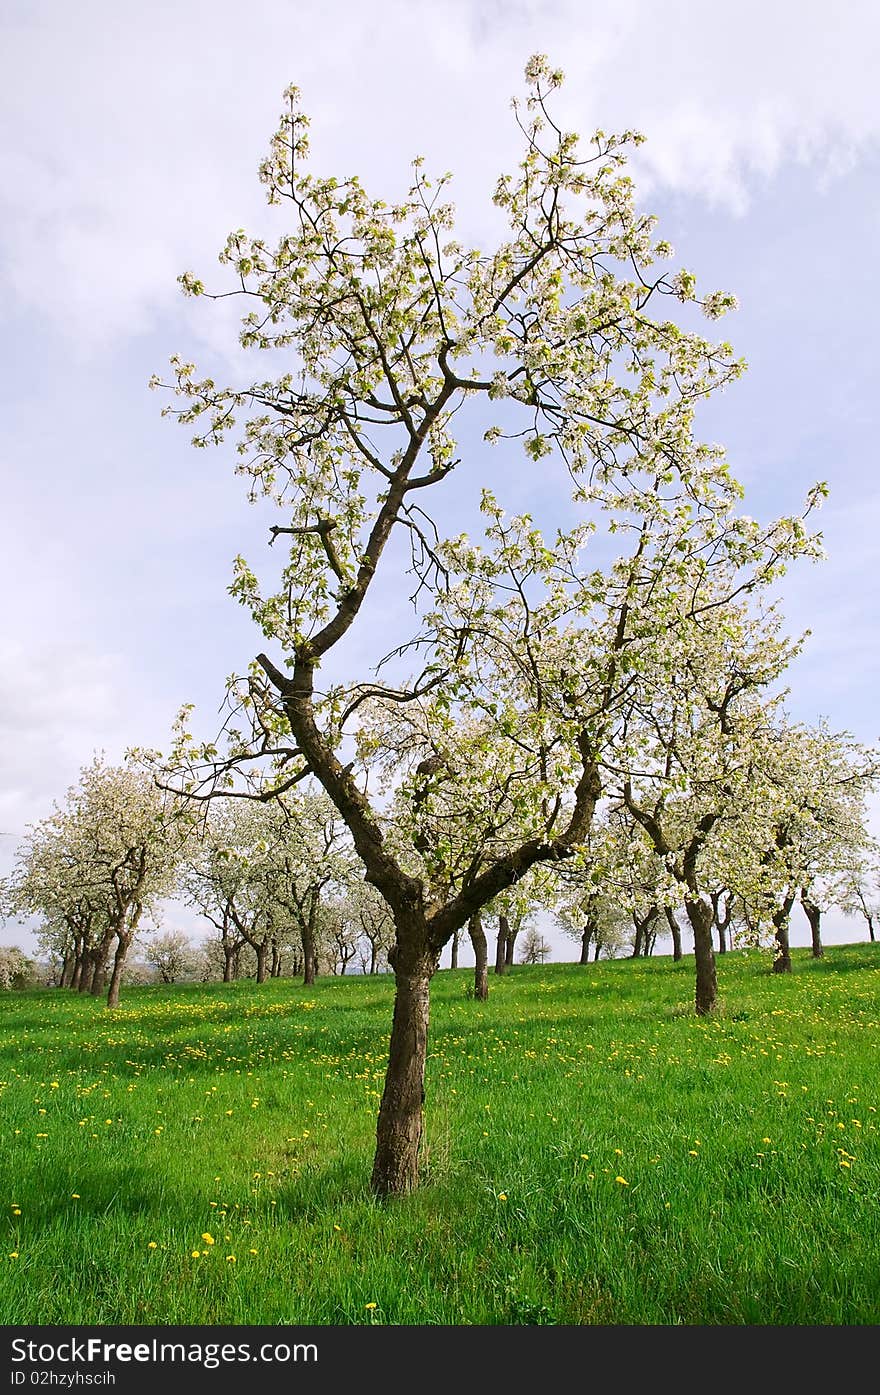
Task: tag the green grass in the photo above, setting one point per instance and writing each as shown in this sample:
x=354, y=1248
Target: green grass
x=748, y=1143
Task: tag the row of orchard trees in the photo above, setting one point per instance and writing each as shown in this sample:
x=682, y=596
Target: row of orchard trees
x=275, y=878
x=617, y=656
x=279, y=879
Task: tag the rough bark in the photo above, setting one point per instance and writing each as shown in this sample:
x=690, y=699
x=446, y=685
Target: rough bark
x=262, y=952
x=481, y=957
x=115, y=984
x=814, y=916
x=100, y=959
x=699, y=913
x=399, y=1126
x=586, y=937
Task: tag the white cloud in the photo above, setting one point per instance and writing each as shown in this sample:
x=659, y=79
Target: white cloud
x=134, y=132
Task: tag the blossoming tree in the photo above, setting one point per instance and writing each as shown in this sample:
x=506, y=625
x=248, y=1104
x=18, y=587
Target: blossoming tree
x=396, y=356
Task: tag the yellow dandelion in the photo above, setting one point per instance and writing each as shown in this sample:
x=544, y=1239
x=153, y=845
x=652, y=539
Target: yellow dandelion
x=208, y=1239
x=230, y=1259
x=502, y=1196
x=13, y=1254
x=16, y=1210
x=622, y=1180
x=370, y=1306
x=252, y=1252
x=692, y=1153
x=152, y=1245
x=585, y=1156
x=74, y=1196
x=619, y=1152
x=195, y=1254
x=766, y=1140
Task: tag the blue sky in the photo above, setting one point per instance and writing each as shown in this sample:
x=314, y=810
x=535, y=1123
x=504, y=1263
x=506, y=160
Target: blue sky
x=131, y=141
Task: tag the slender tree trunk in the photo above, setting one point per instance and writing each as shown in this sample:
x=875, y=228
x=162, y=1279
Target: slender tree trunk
x=122, y=945
x=699, y=913
x=511, y=945
x=86, y=970
x=675, y=932
x=637, y=942
x=481, y=957
x=870, y=920
x=814, y=916
x=501, y=945
x=399, y=1126
x=586, y=936
x=228, y=957
x=453, y=960
x=76, y=976
x=262, y=953
x=598, y=949
x=374, y=957
x=275, y=970
x=310, y=958
x=782, y=957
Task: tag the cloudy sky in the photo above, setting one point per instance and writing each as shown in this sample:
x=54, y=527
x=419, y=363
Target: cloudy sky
x=129, y=141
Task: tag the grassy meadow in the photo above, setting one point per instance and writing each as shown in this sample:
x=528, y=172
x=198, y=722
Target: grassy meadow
x=594, y=1153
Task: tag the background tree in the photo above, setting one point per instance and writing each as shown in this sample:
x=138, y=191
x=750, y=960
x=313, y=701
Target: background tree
x=172, y=955
x=807, y=825
x=857, y=888
x=699, y=740
x=98, y=863
x=535, y=947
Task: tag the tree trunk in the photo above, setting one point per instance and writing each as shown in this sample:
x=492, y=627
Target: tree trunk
x=501, y=945
x=699, y=913
x=453, y=960
x=650, y=932
x=374, y=957
x=814, y=916
x=99, y=964
x=275, y=971
x=399, y=1126
x=118, y=965
x=585, y=944
x=86, y=970
x=637, y=942
x=310, y=965
x=481, y=957
x=511, y=943
x=675, y=931
x=598, y=950
x=228, y=957
x=262, y=952
x=782, y=957
x=870, y=920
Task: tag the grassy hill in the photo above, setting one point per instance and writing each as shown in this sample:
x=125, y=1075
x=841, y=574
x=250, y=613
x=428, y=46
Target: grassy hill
x=594, y=1153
